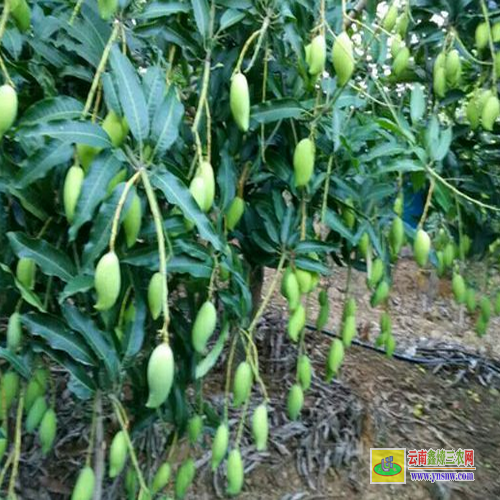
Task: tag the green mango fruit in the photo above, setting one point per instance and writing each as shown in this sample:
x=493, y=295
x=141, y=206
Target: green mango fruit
x=390, y=346
x=71, y=191
x=459, y=288
x=453, y=67
x=465, y=244
x=107, y=281
x=481, y=326
x=335, y=359
x=323, y=316
x=402, y=24
x=260, y=427
x=235, y=473
x=132, y=221
x=36, y=413
x=204, y=326
x=440, y=82
x=296, y=323
x=118, y=453
x=239, y=101
x=120, y=177
x=348, y=214
x=364, y=245
x=107, y=8
x=115, y=127
x=3, y=445
x=449, y=254
x=184, y=478
x=161, y=478
x=390, y=18
x=295, y=401
x=396, y=45
x=316, y=55
x=219, y=445
x=470, y=300
x=495, y=32
x=385, y=322
x=381, y=294
x=482, y=35
x=131, y=483
x=8, y=108
x=350, y=308
x=349, y=330
x=198, y=191
x=441, y=267
x=47, y=430
x=303, y=162
x=343, y=59
x=21, y=14
x=160, y=375
x=473, y=113
x=482, y=98
x=497, y=304
x=399, y=205
x=14, y=332
x=195, y=428
x=397, y=235
x=85, y=484
x=36, y=387
x=323, y=297
x=86, y=155
x=26, y=272
x=290, y=288
x=304, y=279
x=421, y=247
x=304, y=372
x=377, y=272
x=206, y=172
x=490, y=113
x=485, y=306
x=235, y=212
x=9, y=385
x=242, y=385
x=401, y=61
x=155, y=295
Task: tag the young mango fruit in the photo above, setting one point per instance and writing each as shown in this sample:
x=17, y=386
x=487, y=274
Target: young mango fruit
x=118, y=452
x=47, y=430
x=206, y=172
x=239, y=101
x=9, y=386
x=303, y=162
x=421, y=248
x=36, y=413
x=260, y=427
x=26, y=272
x=14, y=332
x=160, y=375
x=459, y=288
x=204, y=326
x=184, y=478
x=37, y=386
x=453, y=68
x=132, y=221
x=497, y=304
x=364, y=245
x=490, y=113
x=304, y=372
x=348, y=214
x=381, y=294
x=235, y=212
x=343, y=59
x=485, y=307
x=390, y=345
x=316, y=55
x=401, y=61
x=8, y=108
x=242, y=386
x=107, y=281
x=107, y=8
x=21, y=14
x=219, y=445
x=349, y=330
x=235, y=473
x=155, y=295
x=85, y=484
x=376, y=273
x=390, y=18
x=335, y=359
x=482, y=35
x=396, y=45
x=295, y=402
x=71, y=191
x=324, y=311
x=470, y=300
x=290, y=288
x=402, y=24
x=195, y=428
x=161, y=478
x=296, y=323
x=397, y=235
x=198, y=191
x=349, y=309
x=481, y=326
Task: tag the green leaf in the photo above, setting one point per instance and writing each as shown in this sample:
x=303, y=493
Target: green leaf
x=208, y=362
x=52, y=109
x=69, y=132
x=101, y=227
x=58, y=336
x=177, y=194
x=226, y=180
x=166, y=122
x=16, y=362
x=95, y=338
x=155, y=87
x=79, y=284
x=27, y=295
x=417, y=103
x=111, y=94
x=306, y=247
x=202, y=16
x=131, y=95
x=94, y=189
x=42, y=162
x=443, y=145
x=273, y=111
x=51, y=260
x=157, y=9
x=230, y=18
x=333, y=221
x=135, y=330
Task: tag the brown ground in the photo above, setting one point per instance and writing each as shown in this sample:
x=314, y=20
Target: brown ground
x=377, y=402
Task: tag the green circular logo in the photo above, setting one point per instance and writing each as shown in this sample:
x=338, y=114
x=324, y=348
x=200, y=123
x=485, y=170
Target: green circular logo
x=396, y=469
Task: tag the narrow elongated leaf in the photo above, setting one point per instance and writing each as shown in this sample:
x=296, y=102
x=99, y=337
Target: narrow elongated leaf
x=155, y=87
x=230, y=18
x=29, y=296
x=166, y=122
x=417, y=103
x=43, y=161
x=131, y=95
x=226, y=180
x=95, y=338
x=51, y=260
x=70, y=132
x=79, y=284
x=52, y=109
x=334, y=222
x=16, y=362
x=58, y=336
x=177, y=194
x=94, y=189
x=160, y=8
x=111, y=94
x=278, y=109
x=135, y=331
x=208, y=362
x=202, y=16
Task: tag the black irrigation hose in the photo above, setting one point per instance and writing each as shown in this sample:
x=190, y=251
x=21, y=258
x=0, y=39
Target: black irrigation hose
x=410, y=359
